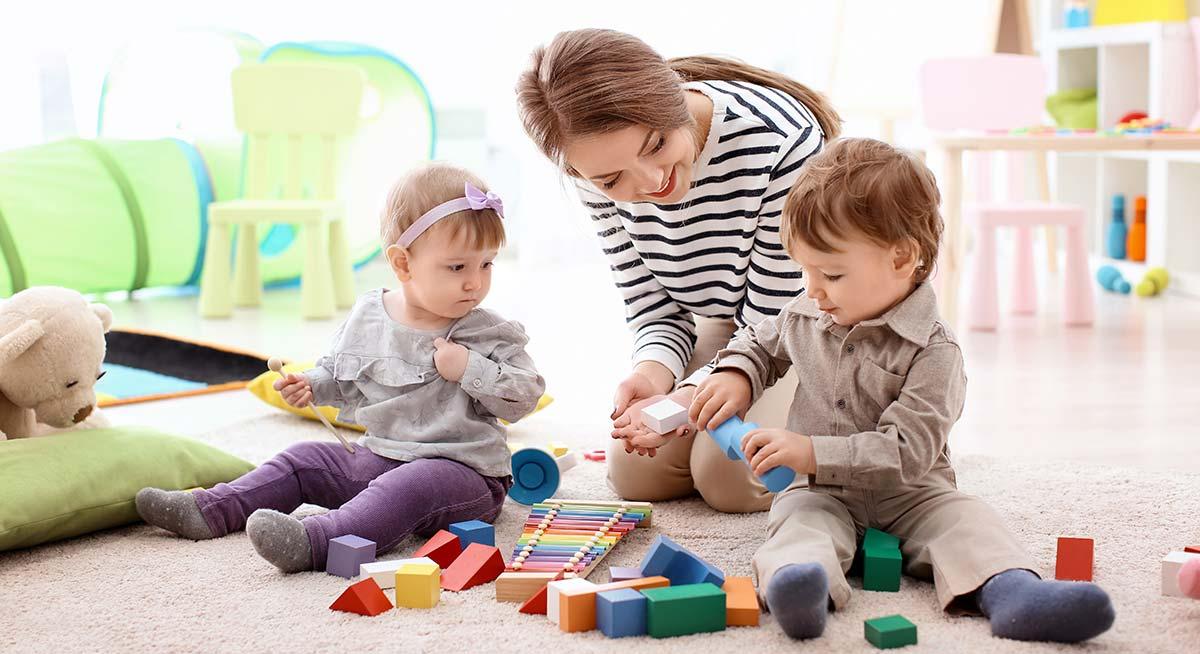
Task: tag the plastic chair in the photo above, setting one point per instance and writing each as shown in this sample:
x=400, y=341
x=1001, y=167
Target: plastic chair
x=293, y=116
x=1002, y=92
x=1194, y=22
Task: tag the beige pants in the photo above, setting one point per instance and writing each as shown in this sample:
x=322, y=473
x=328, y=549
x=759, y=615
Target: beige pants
x=954, y=538
x=696, y=464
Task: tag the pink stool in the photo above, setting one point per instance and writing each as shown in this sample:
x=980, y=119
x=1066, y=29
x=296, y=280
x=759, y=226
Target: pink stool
x=1025, y=216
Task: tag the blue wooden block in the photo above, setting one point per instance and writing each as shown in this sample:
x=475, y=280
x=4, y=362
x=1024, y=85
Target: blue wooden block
x=347, y=553
x=621, y=612
x=658, y=558
x=669, y=559
x=474, y=531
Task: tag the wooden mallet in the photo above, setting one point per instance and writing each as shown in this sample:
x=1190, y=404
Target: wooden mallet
x=277, y=366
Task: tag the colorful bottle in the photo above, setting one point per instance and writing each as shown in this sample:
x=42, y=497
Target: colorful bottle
x=1135, y=244
x=1111, y=280
x=1116, y=229
x=1077, y=14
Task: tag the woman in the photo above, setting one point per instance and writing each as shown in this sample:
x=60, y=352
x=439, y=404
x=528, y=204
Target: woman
x=684, y=166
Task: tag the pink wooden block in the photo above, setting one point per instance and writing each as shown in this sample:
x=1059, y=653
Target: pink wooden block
x=1189, y=578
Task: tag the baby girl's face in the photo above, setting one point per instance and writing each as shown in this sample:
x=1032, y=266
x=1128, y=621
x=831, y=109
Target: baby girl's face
x=449, y=275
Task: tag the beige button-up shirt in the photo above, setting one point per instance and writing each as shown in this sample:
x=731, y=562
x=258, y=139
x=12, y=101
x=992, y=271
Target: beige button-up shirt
x=878, y=399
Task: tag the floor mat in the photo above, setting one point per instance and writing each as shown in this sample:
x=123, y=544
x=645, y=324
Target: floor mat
x=141, y=366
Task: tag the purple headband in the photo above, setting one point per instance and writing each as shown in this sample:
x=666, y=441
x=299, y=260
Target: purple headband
x=473, y=199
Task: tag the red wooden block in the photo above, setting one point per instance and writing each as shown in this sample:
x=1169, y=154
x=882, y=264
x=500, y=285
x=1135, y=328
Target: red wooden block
x=363, y=598
x=478, y=564
x=443, y=548
x=536, y=605
x=1074, y=561
x=1194, y=549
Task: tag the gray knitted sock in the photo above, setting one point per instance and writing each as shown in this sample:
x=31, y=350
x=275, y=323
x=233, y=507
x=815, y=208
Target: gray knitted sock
x=175, y=511
x=280, y=539
x=1022, y=607
x=798, y=597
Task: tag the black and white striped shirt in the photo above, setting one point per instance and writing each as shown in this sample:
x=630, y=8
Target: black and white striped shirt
x=717, y=252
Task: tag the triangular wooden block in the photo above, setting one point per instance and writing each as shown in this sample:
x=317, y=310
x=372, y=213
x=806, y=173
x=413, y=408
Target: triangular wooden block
x=536, y=605
x=443, y=548
x=478, y=564
x=363, y=598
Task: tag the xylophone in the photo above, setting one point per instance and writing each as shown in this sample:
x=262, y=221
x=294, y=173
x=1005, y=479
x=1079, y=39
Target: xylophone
x=566, y=538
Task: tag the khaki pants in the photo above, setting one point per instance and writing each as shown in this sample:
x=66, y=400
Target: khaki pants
x=696, y=464
x=954, y=538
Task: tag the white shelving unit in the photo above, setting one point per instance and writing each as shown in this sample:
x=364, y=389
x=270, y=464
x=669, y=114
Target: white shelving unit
x=1148, y=67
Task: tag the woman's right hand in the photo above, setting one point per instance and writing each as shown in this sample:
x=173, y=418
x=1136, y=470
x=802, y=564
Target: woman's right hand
x=638, y=437
x=295, y=390
x=647, y=380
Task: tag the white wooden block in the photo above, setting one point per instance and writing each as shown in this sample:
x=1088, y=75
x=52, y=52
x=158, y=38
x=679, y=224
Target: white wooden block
x=1171, y=564
x=384, y=572
x=664, y=416
x=554, y=592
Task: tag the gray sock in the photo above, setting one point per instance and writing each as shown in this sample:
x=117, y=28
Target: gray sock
x=280, y=539
x=1022, y=607
x=798, y=597
x=175, y=511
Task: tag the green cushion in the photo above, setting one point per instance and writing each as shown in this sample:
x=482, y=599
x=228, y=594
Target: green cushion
x=65, y=485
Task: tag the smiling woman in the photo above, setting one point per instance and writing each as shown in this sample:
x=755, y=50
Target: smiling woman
x=683, y=165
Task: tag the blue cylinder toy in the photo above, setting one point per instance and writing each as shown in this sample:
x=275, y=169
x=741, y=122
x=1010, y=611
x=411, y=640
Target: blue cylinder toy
x=1117, y=232
x=1112, y=280
x=729, y=437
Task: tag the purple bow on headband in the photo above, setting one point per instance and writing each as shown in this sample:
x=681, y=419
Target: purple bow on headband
x=477, y=199
x=473, y=199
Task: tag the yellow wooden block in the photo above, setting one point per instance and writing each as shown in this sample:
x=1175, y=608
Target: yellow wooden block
x=1115, y=12
x=557, y=448
x=418, y=585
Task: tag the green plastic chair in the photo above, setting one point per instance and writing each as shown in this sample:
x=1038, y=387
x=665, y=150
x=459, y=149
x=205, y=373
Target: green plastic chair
x=293, y=116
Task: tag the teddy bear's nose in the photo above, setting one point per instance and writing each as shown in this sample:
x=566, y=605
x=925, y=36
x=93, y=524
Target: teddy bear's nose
x=83, y=413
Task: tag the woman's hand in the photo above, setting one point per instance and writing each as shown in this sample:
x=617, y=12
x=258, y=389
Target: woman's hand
x=638, y=437
x=721, y=396
x=648, y=379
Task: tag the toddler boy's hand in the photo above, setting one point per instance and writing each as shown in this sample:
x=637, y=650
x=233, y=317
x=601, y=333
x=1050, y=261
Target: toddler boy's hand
x=450, y=358
x=720, y=397
x=295, y=390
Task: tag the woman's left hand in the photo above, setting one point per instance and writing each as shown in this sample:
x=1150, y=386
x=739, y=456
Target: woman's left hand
x=770, y=448
x=450, y=359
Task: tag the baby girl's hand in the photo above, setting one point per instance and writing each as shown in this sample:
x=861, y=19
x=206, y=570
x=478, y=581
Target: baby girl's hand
x=450, y=359
x=295, y=390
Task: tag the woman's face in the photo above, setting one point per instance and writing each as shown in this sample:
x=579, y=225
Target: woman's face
x=636, y=163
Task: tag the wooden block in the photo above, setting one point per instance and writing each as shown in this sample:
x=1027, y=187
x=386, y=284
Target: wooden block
x=536, y=605
x=347, y=553
x=1074, y=560
x=682, y=610
x=363, y=598
x=418, y=585
x=577, y=605
x=1171, y=565
x=890, y=631
x=1189, y=579
x=1192, y=549
x=557, y=448
x=741, y=603
x=616, y=574
x=520, y=586
x=881, y=569
x=664, y=416
x=443, y=548
x=876, y=539
x=679, y=564
x=474, y=531
x=554, y=590
x=621, y=613
x=384, y=572
x=478, y=564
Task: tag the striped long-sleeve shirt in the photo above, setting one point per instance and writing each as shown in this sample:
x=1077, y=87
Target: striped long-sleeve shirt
x=717, y=252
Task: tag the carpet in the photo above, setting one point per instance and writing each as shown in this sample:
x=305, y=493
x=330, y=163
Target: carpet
x=141, y=589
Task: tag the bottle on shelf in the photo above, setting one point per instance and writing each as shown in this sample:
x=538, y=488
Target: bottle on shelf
x=1117, y=234
x=1135, y=244
x=1077, y=14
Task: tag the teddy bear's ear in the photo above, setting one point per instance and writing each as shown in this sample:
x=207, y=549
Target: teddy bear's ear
x=16, y=342
x=103, y=313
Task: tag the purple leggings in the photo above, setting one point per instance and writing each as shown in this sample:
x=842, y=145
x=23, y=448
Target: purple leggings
x=368, y=495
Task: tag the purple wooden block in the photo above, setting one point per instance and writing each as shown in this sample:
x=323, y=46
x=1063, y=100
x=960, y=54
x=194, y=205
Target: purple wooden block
x=616, y=574
x=346, y=553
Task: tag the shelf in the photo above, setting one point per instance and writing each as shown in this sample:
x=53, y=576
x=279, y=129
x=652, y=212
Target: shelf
x=1129, y=34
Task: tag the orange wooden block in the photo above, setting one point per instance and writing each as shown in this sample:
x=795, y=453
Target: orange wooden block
x=478, y=564
x=1194, y=549
x=1075, y=557
x=577, y=608
x=363, y=598
x=741, y=604
x=536, y=605
x=443, y=548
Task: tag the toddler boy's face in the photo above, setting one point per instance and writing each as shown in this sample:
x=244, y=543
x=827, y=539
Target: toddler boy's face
x=861, y=280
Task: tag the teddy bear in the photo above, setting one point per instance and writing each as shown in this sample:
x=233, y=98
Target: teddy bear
x=51, y=349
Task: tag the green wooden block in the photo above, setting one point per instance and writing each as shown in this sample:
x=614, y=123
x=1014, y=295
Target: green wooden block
x=891, y=631
x=875, y=539
x=682, y=610
x=881, y=570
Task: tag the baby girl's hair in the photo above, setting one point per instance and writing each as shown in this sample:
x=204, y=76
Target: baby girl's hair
x=429, y=185
x=865, y=186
